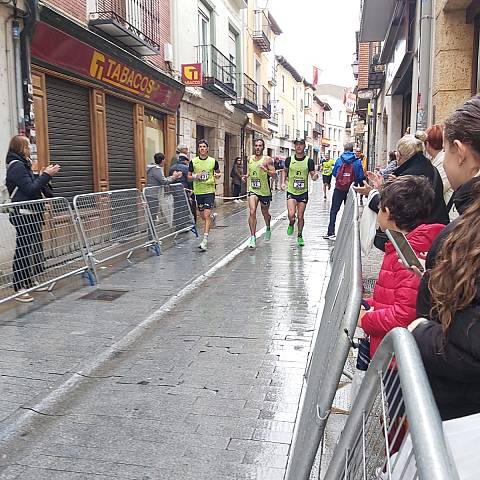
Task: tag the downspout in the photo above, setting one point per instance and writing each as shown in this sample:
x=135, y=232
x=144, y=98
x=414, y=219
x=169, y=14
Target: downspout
x=29, y=23
x=17, y=69
x=416, y=69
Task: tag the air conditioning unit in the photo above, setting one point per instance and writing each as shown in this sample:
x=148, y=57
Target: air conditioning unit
x=168, y=52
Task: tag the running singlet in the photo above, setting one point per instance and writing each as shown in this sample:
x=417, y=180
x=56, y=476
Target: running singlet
x=327, y=167
x=298, y=176
x=257, y=178
x=206, y=181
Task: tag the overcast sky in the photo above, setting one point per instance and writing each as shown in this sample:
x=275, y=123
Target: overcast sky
x=320, y=33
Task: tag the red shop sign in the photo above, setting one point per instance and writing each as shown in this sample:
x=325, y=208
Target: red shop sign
x=61, y=50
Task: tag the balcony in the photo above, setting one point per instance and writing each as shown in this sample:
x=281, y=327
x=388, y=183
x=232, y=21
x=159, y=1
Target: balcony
x=265, y=108
x=348, y=125
x=261, y=31
x=218, y=72
x=317, y=128
x=274, y=119
x=129, y=23
x=376, y=74
x=284, y=132
x=297, y=134
x=247, y=99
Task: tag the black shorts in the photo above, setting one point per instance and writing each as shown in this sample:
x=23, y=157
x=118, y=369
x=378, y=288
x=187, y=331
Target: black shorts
x=327, y=179
x=205, y=201
x=303, y=198
x=264, y=200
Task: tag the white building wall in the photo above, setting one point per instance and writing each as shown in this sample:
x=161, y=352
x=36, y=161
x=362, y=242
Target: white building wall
x=335, y=120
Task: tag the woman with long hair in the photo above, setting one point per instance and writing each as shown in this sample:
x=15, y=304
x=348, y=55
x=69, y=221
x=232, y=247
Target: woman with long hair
x=448, y=335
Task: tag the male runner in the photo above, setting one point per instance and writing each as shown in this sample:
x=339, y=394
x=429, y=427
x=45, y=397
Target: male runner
x=297, y=169
x=327, y=170
x=259, y=168
x=202, y=171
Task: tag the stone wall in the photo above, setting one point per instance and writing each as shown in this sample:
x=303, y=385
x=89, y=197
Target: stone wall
x=452, y=64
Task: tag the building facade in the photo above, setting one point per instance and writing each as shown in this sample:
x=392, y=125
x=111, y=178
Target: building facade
x=320, y=141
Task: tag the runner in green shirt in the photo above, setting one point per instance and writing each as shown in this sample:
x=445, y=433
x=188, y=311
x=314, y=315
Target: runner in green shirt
x=298, y=168
x=202, y=171
x=260, y=167
x=327, y=170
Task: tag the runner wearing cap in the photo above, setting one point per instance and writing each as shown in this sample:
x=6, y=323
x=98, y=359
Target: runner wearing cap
x=297, y=168
x=202, y=171
x=260, y=167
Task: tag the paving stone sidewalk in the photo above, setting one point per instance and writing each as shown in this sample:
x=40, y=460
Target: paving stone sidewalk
x=211, y=391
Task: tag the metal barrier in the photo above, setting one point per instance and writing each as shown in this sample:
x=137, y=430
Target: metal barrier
x=170, y=210
x=40, y=245
x=113, y=224
x=341, y=308
x=394, y=430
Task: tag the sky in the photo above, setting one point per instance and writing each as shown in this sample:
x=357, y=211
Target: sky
x=320, y=33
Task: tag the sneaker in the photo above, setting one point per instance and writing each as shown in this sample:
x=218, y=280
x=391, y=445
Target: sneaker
x=329, y=237
x=41, y=289
x=268, y=234
x=213, y=216
x=24, y=298
x=324, y=197
x=300, y=241
x=253, y=242
x=290, y=230
x=203, y=245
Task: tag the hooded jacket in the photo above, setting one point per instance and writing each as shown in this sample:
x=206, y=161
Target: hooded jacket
x=181, y=166
x=20, y=175
x=395, y=293
x=349, y=157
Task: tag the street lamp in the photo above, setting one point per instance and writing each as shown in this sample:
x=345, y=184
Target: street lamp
x=355, y=69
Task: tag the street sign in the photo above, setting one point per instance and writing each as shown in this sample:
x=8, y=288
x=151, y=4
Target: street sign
x=192, y=74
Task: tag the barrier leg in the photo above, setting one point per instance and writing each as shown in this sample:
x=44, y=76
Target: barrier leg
x=194, y=230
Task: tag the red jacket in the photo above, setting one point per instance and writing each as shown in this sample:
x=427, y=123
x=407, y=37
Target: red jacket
x=395, y=293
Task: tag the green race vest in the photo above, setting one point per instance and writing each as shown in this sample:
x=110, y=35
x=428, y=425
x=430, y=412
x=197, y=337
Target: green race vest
x=298, y=176
x=327, y=168
x=204, y=168
x=257, y=178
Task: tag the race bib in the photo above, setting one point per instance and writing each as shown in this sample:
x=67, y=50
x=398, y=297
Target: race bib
x=255, y=183
x=299, y=183
x=203, y=176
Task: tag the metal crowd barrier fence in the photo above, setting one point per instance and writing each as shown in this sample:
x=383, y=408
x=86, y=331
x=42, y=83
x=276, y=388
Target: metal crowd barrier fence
x=341, y=308
x=40, y=245
x=170, y=210
x=394, y=430
x=114, y=224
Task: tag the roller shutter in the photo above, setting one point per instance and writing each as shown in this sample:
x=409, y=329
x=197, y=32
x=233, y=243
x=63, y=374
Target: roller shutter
x=120, y=146
x=68, y=114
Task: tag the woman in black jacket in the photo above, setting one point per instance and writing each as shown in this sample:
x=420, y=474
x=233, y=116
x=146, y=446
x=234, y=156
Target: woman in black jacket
x=23, y=185
x=449, y=295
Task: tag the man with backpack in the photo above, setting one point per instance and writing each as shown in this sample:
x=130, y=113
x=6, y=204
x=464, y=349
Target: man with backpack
x=347, y=170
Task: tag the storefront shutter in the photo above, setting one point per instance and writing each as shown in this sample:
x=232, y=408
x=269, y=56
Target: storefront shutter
x=120, y=144
x=68, y=114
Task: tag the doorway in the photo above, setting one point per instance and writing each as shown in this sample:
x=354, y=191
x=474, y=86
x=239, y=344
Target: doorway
x=228, y=163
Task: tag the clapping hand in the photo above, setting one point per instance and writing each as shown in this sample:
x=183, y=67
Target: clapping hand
x=376, y=179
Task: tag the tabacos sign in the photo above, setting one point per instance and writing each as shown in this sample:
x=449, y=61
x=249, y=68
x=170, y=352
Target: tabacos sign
x=108, y=70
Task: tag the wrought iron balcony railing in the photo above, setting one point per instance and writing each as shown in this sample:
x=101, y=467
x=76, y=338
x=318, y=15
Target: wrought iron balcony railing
x=265, y=108
x=284, y=132
x=247, y=94
x=317, y=127
x=261, y=31
x=218, y=71
x=134, y=24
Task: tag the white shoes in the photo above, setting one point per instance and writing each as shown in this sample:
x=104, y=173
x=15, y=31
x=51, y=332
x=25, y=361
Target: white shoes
x=24, y=297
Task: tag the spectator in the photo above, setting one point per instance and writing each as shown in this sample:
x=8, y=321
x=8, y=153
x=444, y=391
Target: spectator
x=24, y=185
x=448, y=338
x=181, y=165
x=279, y=178
x=236, y=175
x=391, y=165
x=347, y=170
x=180, y=216
x=405, y=204
x=434, y=148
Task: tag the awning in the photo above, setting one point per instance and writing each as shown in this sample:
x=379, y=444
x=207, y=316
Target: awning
x=325, y=142
x=376, y=18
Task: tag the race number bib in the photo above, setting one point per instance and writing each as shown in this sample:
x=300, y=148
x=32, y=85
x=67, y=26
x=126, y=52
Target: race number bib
x=203, y=176
x=298, y=183
x=255, y=183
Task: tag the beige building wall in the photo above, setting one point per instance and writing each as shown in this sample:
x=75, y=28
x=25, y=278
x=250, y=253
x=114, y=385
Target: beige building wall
x=286, y=85
x=452, y=63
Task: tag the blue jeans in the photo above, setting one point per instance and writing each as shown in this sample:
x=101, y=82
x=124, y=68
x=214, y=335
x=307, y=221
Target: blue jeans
x=338, y=197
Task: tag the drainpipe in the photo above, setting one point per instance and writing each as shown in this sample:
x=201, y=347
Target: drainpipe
x=29, y=23
x=18, y=73
x=416, y=68
x=424, y=91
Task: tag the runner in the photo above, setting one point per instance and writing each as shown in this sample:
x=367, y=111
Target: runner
x=297, y=169
x=260, y=167
x=327, y=170
x=203, y=170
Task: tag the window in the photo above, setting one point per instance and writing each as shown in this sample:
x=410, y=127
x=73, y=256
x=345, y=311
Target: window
x=340, y=115
x=330, y=133
x=293, y=93
x=203, y=25
x=283, y=83
x=232, y=46
x=316, y=117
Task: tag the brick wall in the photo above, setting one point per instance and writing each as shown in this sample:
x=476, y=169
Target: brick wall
x=363, y=65
x=74, y=8
x=163, y=34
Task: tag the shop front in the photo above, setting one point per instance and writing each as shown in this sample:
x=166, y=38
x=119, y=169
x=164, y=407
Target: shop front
x=101, y=116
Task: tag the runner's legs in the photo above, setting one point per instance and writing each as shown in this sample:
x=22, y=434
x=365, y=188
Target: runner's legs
x=252, y=213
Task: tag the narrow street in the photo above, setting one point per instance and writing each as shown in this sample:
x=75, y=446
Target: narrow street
x=194, y=372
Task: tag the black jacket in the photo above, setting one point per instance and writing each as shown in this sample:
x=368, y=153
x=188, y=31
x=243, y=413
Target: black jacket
x=452, y=362
x=418, y=165
x=19, y=174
